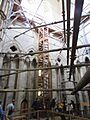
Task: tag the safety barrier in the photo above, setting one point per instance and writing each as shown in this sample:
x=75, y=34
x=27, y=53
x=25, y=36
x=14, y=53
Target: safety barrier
x=47, y=114
x=54, y=115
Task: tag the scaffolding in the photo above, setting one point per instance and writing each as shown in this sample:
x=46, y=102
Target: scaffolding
x=43, y=61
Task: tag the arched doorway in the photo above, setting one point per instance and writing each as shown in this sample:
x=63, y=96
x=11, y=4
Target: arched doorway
x=24, y=107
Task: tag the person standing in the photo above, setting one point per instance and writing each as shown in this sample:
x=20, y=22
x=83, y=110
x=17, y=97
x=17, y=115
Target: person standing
x=72, y=107
x=52, y=104
x=1, y=112
x=10, y=108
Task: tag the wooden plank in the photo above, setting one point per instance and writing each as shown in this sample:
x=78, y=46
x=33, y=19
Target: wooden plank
x=19, y=117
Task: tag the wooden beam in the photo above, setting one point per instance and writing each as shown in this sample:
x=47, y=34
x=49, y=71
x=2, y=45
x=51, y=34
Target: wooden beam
x=35, y=69
x=36, y=90
x=53, y=50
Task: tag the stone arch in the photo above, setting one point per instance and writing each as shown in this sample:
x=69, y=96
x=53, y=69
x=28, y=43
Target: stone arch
x=27, y=60
x=34, y=62
x=62, y=69
x=16, y=58
x=31, y=50
x=24, y=106
x=6, y=57
x=12, y=47
x=87, y=59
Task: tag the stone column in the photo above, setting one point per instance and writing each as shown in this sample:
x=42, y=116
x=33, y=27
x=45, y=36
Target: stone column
x=28, y=86
x=1, y=60
x=21, y=83
x=11, y=81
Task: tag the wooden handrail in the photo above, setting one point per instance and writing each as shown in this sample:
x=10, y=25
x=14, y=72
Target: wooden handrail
x=19, y=117
x=50, y=112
